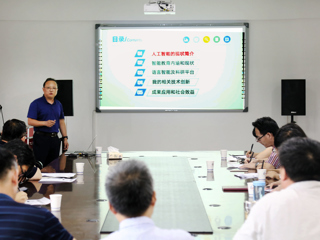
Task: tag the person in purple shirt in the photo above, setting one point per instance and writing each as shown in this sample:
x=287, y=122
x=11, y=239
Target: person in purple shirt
x=47, y=117
x=129, y=188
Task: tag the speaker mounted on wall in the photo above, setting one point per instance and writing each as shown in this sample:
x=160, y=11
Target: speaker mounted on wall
x=65, y=96
x=293, y=97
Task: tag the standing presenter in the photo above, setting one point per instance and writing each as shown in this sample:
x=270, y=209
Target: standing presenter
x=47, y=117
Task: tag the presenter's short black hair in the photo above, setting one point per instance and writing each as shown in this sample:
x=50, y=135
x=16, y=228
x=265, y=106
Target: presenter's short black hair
x=300, y=157
x=23, y=152
x=49, y=79
x=7, y=162
x=129, y=188
x=286, y=132
x=265, y=125
x=13, y=129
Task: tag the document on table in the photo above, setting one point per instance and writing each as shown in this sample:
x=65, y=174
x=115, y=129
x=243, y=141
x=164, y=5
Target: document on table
x=234, y=158
x=235, y=165
x=39, y=202
x=58, y=175
x=57, y=180
x=246, y=175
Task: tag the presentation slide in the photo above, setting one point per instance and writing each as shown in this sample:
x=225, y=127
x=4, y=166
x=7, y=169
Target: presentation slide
x=171, y=68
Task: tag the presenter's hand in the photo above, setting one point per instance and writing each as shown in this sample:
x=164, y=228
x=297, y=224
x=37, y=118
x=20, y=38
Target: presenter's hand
x=65, y=144
x=50, y=123
x=21, y=197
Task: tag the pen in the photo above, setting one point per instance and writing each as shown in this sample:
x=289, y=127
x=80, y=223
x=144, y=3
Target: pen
x=262, y=164
x=251, y=147
x=251, y=157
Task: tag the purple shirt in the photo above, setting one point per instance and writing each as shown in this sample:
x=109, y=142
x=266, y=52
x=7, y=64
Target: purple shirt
x=41, y=110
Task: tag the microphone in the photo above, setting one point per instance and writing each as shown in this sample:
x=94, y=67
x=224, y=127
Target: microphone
x=2, y=114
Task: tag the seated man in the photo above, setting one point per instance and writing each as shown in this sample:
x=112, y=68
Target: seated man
x=129, y=187
x=13, y=129
x=25, y=159
x=264, y=130
x=290, y=130
x=293, y=212
x=20, y=221
x=17, y=129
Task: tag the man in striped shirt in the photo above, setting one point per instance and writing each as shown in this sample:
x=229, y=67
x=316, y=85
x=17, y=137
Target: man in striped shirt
x=20, y=221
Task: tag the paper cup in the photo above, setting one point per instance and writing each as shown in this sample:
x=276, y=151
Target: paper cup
x=55, y=202
x=98, y=160
x=210, y=165
x=223, y=154
x=98, y=151
x=224, y=163
x=250, y=189
x=262, y=174
x=210, y=176
x=79, y=167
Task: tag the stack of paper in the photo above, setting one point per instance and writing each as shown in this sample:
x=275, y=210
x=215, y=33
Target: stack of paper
x=57, y=178
x=39, y=202
x=246, y=175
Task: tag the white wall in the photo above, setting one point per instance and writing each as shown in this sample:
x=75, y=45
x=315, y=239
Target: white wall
x=40, y=39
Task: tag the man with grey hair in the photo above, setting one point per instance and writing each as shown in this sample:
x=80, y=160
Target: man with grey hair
x=129, y=187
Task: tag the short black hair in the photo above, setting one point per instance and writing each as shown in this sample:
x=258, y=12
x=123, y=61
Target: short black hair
x=300, y=157
x=286, y=132
x=265, y=125
x=13, y=129
x=7, y=162
x=49, y=79
x=23, y=152
x=129, y=188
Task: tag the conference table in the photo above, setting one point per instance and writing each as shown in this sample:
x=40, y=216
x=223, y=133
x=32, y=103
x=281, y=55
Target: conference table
x=84, y=205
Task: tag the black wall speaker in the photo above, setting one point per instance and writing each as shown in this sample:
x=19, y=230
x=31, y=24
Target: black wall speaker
x=65, y=96
x=293, y=97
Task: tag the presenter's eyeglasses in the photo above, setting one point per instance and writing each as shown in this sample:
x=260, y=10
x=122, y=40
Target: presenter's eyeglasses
x=51, y=88
x=259, y=138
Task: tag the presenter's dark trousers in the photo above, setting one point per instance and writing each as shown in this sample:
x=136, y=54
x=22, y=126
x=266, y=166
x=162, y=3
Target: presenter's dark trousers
x=46, y=148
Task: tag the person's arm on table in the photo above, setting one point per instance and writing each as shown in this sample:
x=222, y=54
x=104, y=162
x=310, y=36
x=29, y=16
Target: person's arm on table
x=265, y=166
x=254, y=160
x=37, y=175
x=36, y=123
x=265, y=153
x=63, y=130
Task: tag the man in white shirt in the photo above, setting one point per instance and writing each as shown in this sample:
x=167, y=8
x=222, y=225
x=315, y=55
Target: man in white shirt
x=129, y=188
x=293, y=213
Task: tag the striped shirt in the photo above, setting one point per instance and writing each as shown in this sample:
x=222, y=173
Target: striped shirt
x=20, y=221
x=274, y=159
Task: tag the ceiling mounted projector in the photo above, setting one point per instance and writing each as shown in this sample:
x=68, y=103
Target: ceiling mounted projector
x=159, y=7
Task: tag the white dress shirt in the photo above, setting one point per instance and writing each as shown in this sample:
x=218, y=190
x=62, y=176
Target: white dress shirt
x=293, y=214
x=143, y=228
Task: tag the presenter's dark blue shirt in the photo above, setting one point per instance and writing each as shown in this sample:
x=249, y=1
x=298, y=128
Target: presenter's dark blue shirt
x=41, y=110
x=21, y=221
